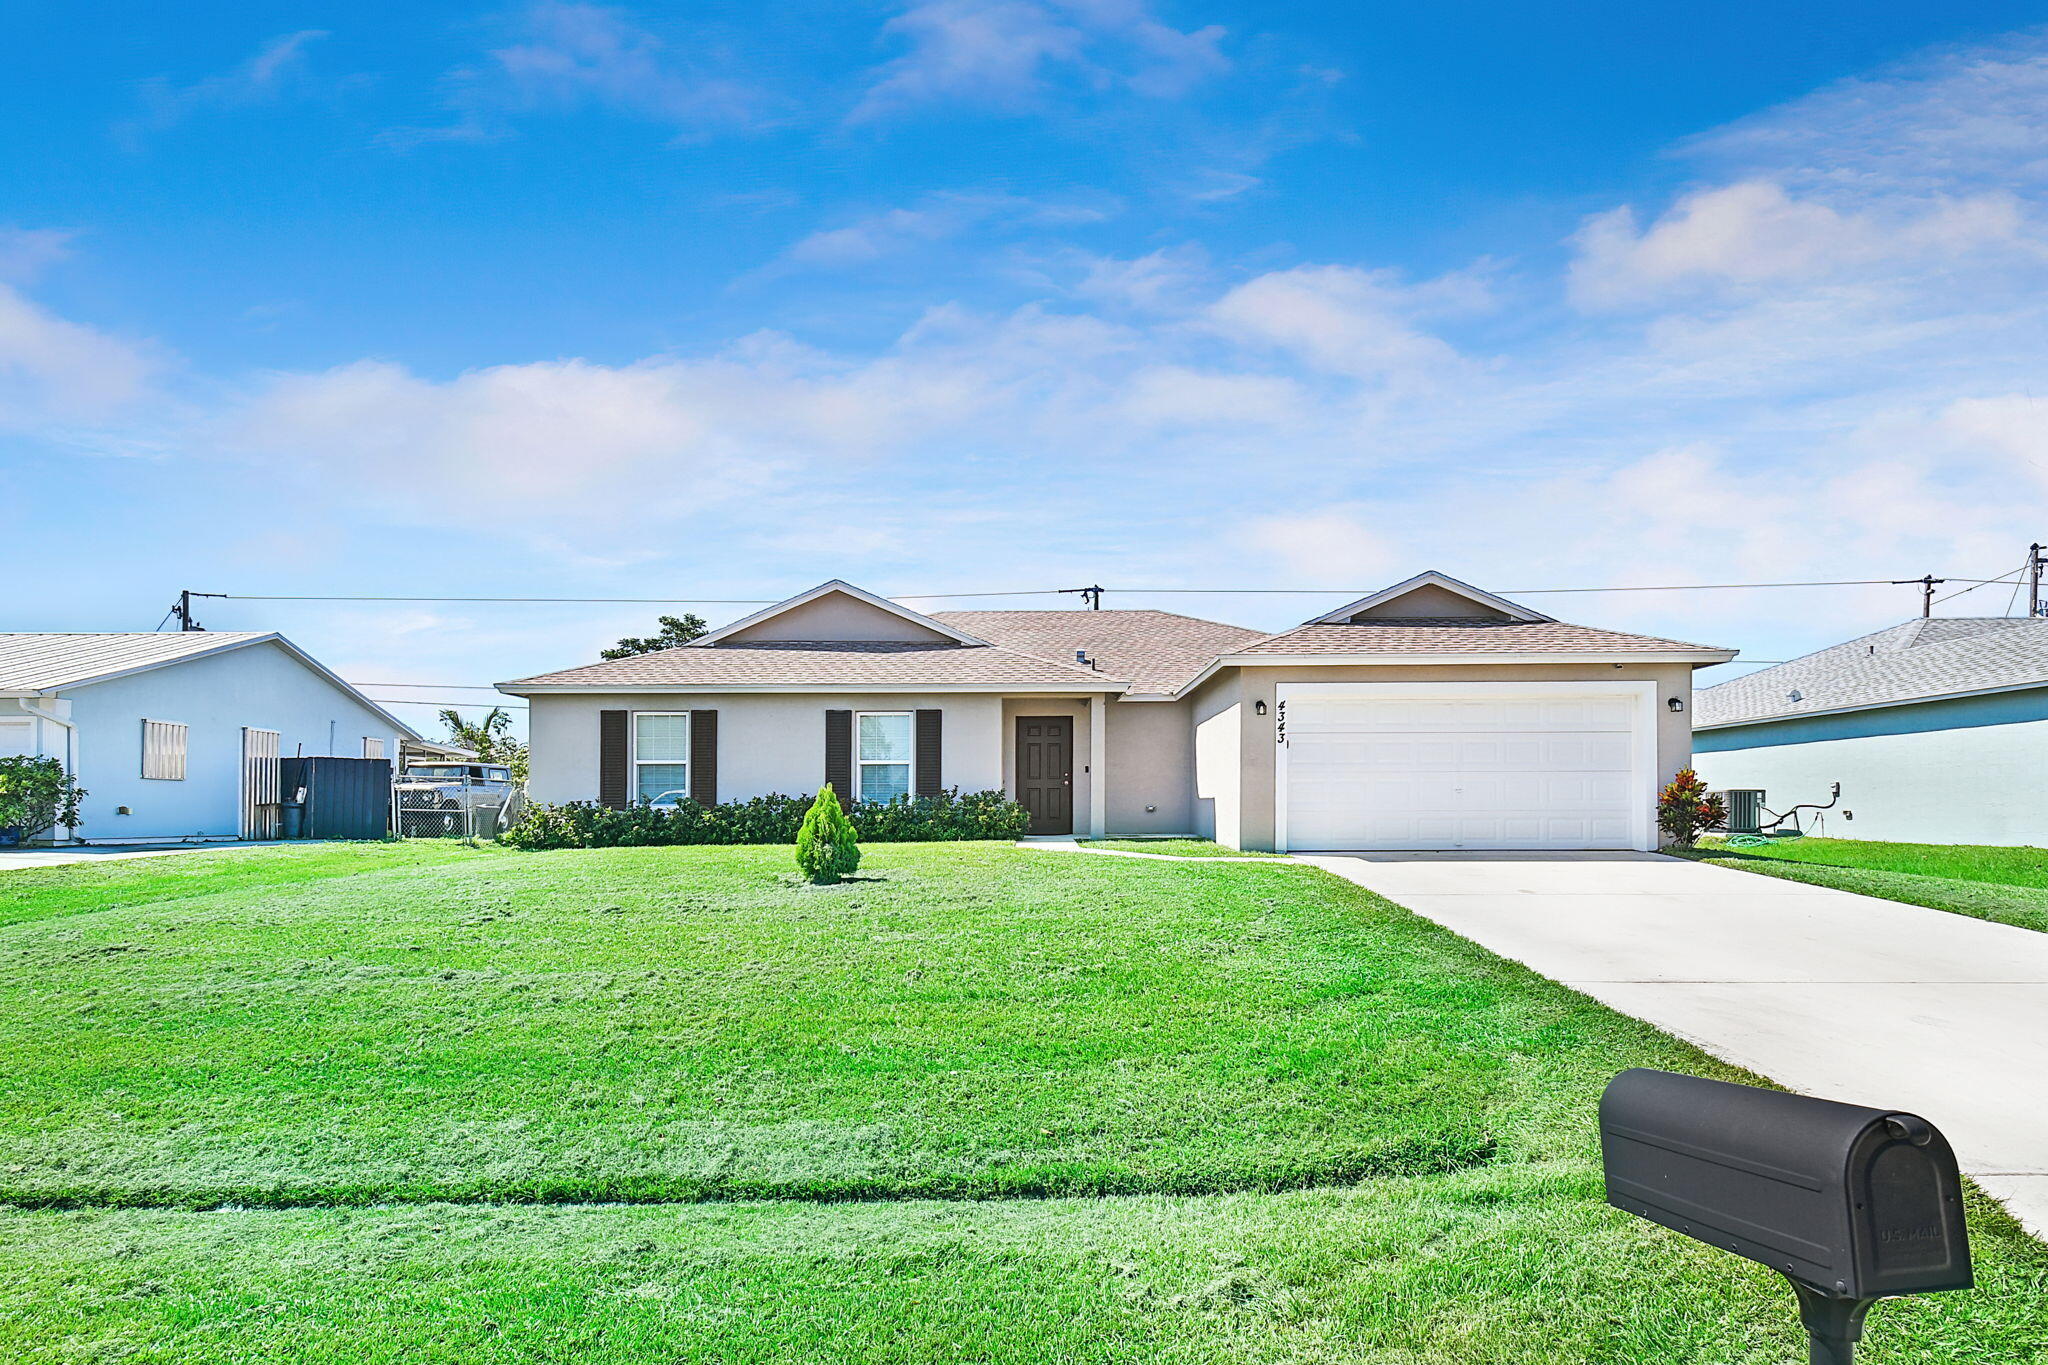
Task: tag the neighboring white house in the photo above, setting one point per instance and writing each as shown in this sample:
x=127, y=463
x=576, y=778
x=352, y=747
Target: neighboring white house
x=177, y=736
x=1430, y=715
x=1936, y=729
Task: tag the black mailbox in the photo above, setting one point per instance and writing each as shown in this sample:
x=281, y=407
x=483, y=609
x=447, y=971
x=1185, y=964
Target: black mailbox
x=1850, y=1204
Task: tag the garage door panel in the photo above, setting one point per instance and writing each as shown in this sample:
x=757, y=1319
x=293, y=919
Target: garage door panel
x=1461, y=772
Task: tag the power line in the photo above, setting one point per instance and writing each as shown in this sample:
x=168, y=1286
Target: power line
x=453, y=687
x=1976, y=583
x=456, y=705
x=642, y=601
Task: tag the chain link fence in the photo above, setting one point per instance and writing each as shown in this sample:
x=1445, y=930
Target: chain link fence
x=453, y=807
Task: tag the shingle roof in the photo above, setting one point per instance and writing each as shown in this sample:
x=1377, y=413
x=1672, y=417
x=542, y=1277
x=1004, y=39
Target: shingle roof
x=1461, y=635
x=1917, y=661
x=826, y=663
x=1157, y=651
x=42, y=661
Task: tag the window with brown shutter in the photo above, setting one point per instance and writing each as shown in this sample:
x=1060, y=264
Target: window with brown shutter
x=929, y=781
x=839, y=753
x=614, y=761
x=704, y=757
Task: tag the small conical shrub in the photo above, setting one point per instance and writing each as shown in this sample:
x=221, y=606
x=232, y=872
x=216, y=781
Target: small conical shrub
x=826, y=847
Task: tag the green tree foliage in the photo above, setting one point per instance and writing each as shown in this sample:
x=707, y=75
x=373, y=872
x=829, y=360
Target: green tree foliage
x=1686, y=809
x=489, y=739
x=827, y=849
x=675, y=630
x=37, y=795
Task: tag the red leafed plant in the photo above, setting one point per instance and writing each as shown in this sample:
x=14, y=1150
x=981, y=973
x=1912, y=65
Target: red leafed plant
x=1686, y=809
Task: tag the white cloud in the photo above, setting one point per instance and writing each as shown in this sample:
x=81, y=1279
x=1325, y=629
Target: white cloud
x=935, y=218
x=1972, y=113
x=577, y=53
x=1333, y=547
x=1167, y=280
x=275, y=69
x=53, y=368
x=1005, y=53
x=26, y=252
x=571, y=56
x=1340, y=319
x=1754, y=234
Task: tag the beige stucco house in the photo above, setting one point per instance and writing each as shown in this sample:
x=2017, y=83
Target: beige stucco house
x=1430, y=715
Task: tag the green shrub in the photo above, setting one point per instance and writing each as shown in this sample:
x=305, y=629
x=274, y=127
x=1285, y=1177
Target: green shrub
x=827, y=849
x=37, y=795
x=773, y=819
x=1686, y=809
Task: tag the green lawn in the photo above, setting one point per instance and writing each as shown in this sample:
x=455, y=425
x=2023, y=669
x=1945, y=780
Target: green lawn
x=2009, y=885
x=1184, y=848
x=456, y=1105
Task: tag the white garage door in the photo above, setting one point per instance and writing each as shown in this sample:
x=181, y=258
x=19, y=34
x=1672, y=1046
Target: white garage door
x=1448, y=771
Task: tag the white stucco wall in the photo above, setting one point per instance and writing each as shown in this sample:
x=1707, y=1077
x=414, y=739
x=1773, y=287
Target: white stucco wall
x=1985, y=784
x=1151, y=762
x=1219, y=763
x=767, y=742
x=261, y=685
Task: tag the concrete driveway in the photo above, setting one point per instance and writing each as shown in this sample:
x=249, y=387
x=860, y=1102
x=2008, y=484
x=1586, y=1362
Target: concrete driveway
x=1827, y=993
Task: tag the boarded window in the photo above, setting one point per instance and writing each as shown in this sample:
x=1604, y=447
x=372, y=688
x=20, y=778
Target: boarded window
x=163, y=750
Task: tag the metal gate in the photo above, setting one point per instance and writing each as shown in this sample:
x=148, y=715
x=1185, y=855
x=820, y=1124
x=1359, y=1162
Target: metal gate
x=453, y=808
x=259, y=783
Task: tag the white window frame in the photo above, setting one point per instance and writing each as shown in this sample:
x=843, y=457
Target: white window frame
x=635, y=762
x=860, y=764
x=373, y=746
x=165, y=744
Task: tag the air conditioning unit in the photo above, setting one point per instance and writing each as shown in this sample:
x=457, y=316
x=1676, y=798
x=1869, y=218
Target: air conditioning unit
x=1745, y=810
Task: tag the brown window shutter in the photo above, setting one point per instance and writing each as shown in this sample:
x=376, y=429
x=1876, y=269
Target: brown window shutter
x=704, y=757
x=839, y=753
x=614, y=768
x=930, y=782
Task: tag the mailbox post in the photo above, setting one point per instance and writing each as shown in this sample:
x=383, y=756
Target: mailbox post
x=1850, y=1204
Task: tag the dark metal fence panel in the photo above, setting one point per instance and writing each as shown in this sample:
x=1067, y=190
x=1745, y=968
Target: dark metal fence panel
x=345, y=798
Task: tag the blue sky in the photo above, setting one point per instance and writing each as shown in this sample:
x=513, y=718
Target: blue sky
x=719, y=300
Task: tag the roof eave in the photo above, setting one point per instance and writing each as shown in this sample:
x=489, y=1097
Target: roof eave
x=527, y=689
x=1695, y=657
x=1919, y=700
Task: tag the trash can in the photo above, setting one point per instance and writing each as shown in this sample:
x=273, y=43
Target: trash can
x=294, y=819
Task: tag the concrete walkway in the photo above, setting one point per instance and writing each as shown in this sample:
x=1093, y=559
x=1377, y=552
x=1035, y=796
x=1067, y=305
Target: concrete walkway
x=11, y=858
x=1827, y=993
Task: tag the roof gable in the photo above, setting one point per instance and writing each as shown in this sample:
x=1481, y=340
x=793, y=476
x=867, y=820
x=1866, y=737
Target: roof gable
x=1429, y=596
x=836, y=610
x=43, y=662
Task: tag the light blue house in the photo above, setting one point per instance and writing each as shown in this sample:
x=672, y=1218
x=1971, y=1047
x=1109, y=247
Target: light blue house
x=1936, y=729
x=179, y=736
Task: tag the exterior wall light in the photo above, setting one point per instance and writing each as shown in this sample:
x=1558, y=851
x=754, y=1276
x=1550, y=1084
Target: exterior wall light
x=1676, y=704
x=1259, y=707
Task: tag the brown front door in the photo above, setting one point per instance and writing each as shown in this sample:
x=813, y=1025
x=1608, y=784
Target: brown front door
x=1045, y=772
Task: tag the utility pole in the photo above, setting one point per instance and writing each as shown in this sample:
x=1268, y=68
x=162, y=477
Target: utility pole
x=183, y=611
x=1926, y=582
x=2034, y=579
x=1092, y=596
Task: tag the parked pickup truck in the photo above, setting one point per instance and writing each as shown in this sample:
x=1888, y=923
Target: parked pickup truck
x=438, y=799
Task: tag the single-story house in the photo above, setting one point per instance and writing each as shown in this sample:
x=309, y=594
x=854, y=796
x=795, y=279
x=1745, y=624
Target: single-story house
x=1937, y=730
x=1429, y=715
x=178, y=736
